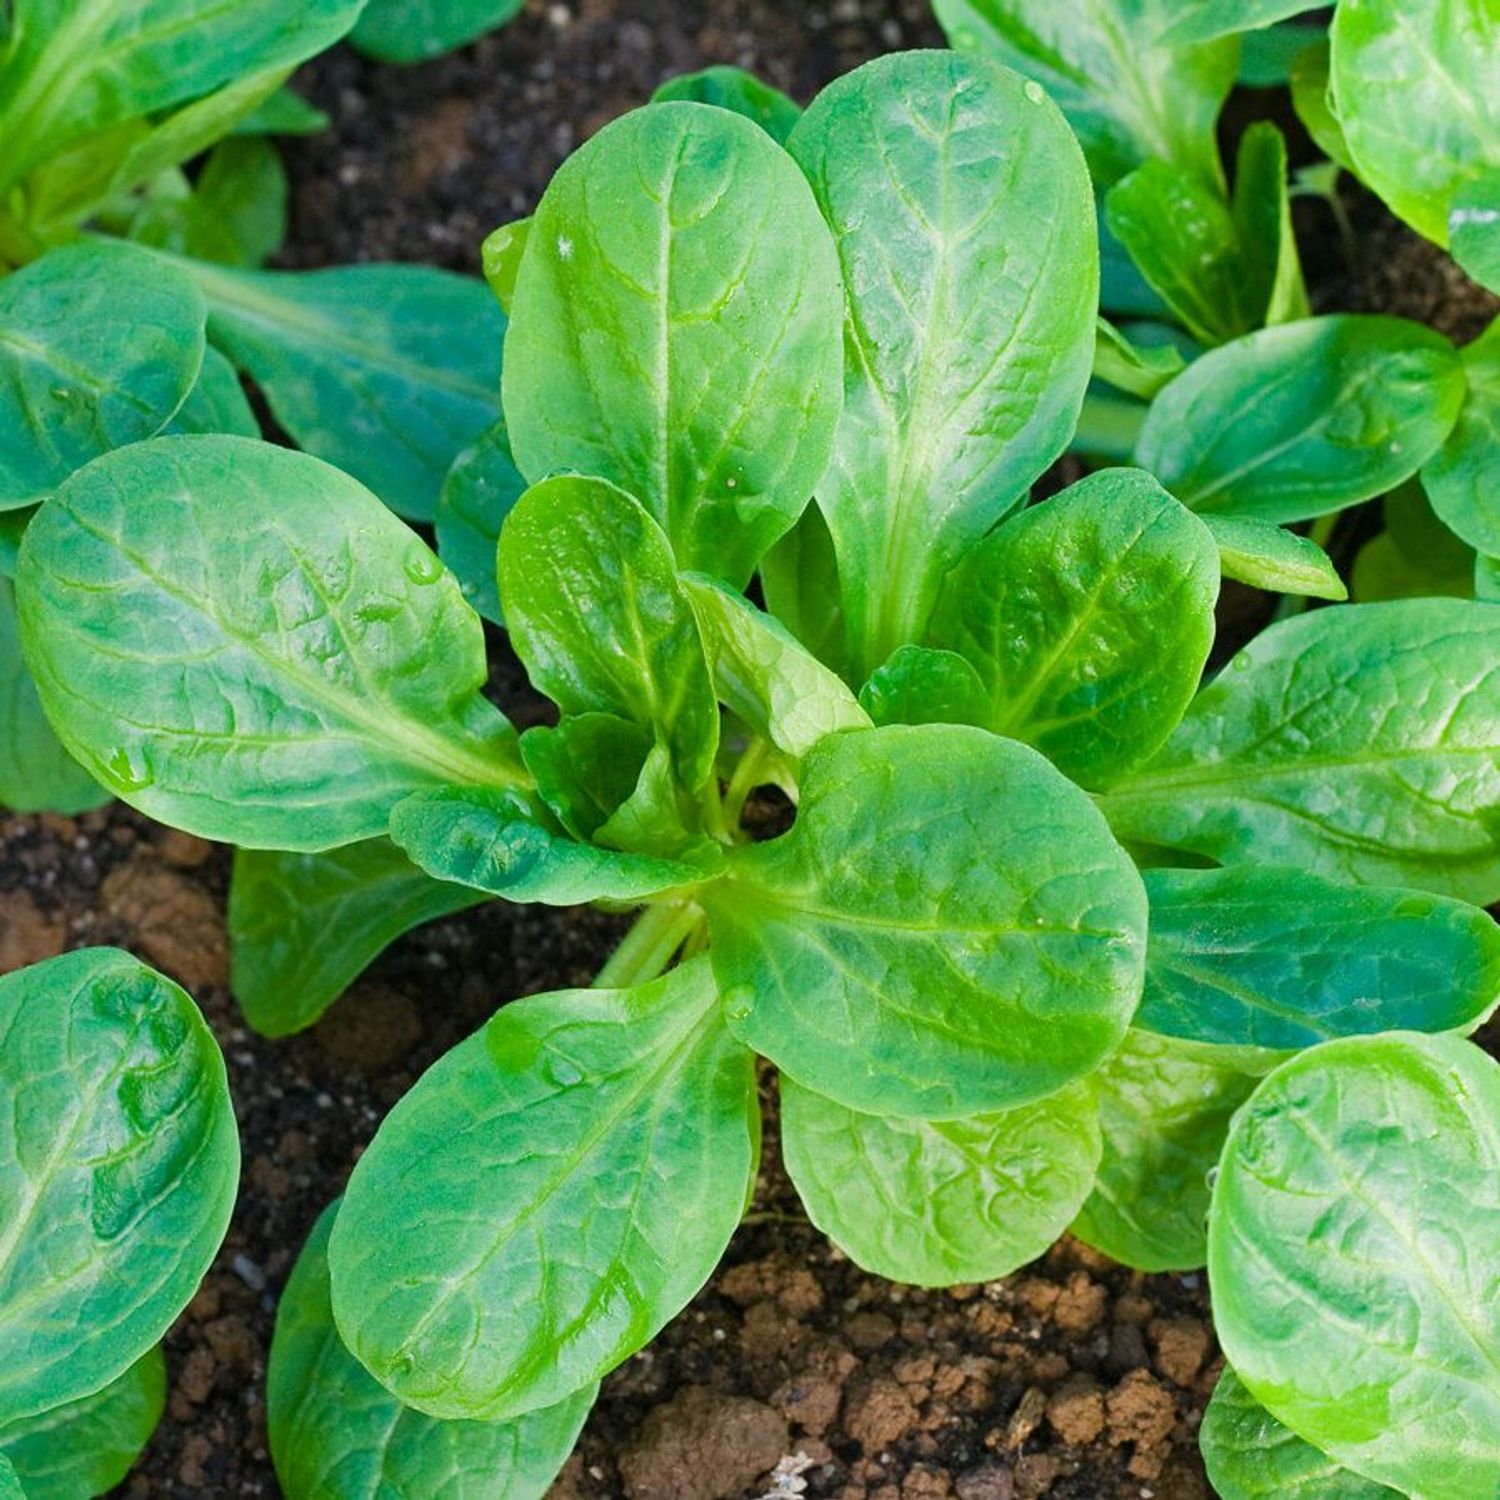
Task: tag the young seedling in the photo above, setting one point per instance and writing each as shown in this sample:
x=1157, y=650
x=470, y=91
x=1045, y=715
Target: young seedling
x=971, y=700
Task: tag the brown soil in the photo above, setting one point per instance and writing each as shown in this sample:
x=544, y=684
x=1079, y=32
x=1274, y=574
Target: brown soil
x=793, y=1372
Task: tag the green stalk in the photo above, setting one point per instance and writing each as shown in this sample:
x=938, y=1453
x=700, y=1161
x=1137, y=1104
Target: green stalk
x=648, y=947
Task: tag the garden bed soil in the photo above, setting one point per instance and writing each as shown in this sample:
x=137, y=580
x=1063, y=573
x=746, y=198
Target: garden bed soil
x=793, y=1372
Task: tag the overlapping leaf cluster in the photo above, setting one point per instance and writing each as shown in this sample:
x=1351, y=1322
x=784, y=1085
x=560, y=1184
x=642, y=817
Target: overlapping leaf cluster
x=1049, y=912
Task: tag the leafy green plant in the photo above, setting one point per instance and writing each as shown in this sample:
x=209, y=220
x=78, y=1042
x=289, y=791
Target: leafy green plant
x=119, y=1162
x=388, y=370
x=409, y=31
x=1002, y=988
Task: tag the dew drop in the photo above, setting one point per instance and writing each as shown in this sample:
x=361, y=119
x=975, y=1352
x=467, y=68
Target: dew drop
x=421, y=565
x=738, y=1004
x=127, y=768
x=562, y=1071
x=1034, y=91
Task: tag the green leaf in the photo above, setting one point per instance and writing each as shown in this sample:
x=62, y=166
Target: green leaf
x=500, y=259
x=923, y=685
x=1139, y=370
x=588, y=1156
x=1127, y=93
x=1267, y=57
x=387, y=371
x=481, y=489
x=1487, y=578
x=736, y=90
x=1313, y=102
x=302, y=927
x=964, y=223
x=1088, y=619
x=800, y=579
x=284, y=112
x=1462, y=479
x=86, y=1447
x=1263, y=225
x=1250, y=1455
x=1474, y=227
x=236, y=212
x=1354, y=1251
x=338, y=1434
x=597, y=614
x=763, y=674
x=1164, y=1112
x=410, y=31
x=243, y=642
x=1203, y=20
x=1327, y=412
x=492, y=842
x=1268, y=557
x=75, y=67
x=13, y=524
x=1416, y=554
x=117, y=1139
x=10, y=1486
x=1278, y=958
x=1416, y=87
x=904, y=951
x=217, y=403
x=935, y=1203
x=98, y=348
x=1360, y=742
x=676, y=331
x=36, y=773
x=586, y=767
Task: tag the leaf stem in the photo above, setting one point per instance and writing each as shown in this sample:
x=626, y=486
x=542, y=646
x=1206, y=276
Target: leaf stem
x=648, y=947
x=746, y=778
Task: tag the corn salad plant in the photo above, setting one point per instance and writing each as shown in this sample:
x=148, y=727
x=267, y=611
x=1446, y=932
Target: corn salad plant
x=1057, y=927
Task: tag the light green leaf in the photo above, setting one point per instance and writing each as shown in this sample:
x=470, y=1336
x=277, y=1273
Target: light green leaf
x=116, y=1139
x=1088, y=619
x=924, y=685
x=98, y=348
x=492, y=842
x=1474, y=227
x=904, y=951
x=302, y=927
x=1416, y=86
x=1487, y=578
x=1354, y=1251
x=800, y=579
x=86, y=1447
x=587, y=1156
x=676, y=330
x=597, y=614
x=1312, y=99
x=36, y=773
x=481, y=488
x=1416, y=555
x=1278, y=958
x=1139, y=370
x=1203, y=20
x=75, y=67
x=235, y=212
x=936, y=1203
x=1263, y=225
x=217, y=403
x=1267, y=556
x=1326, y=412
x=410, y=31
x=387, y=371
x=1361, y=742
x=500, y=259
x=764, y=675
x=338, y=1434
x=284, y=112
x=736, y=90
x=1128, y=94
x=243, y=642
x=10, y=1486
x=964, y=222
x=1250, y=1455
x=1164, y=1112
x=1462, y=479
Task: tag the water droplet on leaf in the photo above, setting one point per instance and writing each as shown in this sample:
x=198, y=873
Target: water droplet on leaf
x=127, y=768
x=1034, y=91
x=421, y=565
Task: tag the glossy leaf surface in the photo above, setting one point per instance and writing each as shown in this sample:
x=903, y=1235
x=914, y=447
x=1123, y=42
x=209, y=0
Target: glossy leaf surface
x=1462, y=480
x=481, y=489
x=1267, y=556
x=734, y=89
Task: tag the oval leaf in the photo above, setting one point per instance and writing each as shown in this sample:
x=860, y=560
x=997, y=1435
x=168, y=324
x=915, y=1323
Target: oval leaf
x=1354, y=1250
x=116, y=1138
x=935, y=1203
x=243, y=642
x=588, y=1156
x=1361, y=741
x=905, y=951
x=1303, y=419
x=338, y=1434
x=1463, y=480
x=1269, y=557
x=676, y=330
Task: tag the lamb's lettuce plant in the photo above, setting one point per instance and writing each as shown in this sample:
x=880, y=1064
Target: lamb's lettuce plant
x=411, y=31
x=119, y=1161
x=988, y=714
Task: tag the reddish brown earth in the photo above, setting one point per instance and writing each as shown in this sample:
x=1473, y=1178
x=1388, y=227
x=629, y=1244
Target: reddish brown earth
x=1074, y=1379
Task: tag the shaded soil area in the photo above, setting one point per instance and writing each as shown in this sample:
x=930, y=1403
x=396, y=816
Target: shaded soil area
x=793, y=1372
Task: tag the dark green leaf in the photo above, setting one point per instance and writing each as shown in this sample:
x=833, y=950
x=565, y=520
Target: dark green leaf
x=940, y=1202
x=245, y=643
x=1463, y=478
x=284, y=112
x=586, y=767
x=410, y=31
x=904, y=951
x=588, y=1156
x=338, y=1434
x=481, y=488
x=217, y=403
x=800, y=579
x=735, y=89
x=924, y=685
